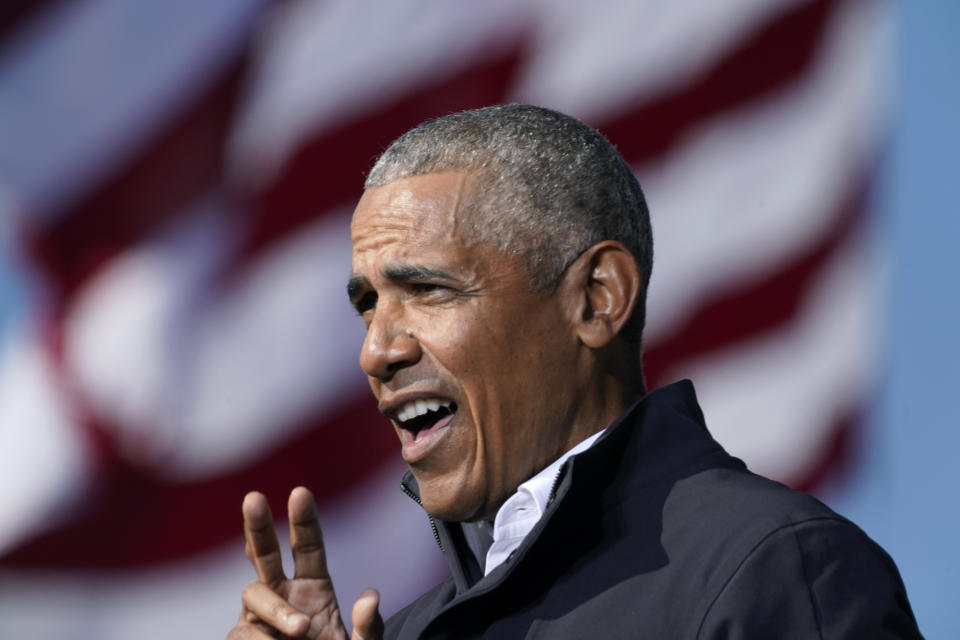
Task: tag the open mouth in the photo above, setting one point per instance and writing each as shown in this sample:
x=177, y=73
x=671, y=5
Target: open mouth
x=425, y=415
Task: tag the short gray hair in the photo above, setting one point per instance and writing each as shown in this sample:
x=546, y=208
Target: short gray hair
x=552, y=187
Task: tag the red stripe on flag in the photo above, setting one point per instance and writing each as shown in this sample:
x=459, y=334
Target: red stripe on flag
x=773, y=57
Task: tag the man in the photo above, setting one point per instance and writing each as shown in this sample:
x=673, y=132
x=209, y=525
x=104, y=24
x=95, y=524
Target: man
x=500, y=262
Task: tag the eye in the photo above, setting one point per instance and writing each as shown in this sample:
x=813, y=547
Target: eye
x=366, y=302
x=427, y=287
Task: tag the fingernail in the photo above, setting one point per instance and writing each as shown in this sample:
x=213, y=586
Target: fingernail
x=298, y=622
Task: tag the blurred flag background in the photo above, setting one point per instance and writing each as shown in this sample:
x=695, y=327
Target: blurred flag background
x=176, y=180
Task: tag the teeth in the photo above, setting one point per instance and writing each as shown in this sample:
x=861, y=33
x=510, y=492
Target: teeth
x=419, y=407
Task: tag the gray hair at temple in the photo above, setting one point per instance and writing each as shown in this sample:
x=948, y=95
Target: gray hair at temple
x=551, y=187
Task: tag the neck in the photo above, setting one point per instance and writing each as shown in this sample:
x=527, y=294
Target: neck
x=606, y=397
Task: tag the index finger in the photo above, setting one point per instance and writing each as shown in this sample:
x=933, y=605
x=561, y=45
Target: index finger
x=306, y=539
x=263, y=549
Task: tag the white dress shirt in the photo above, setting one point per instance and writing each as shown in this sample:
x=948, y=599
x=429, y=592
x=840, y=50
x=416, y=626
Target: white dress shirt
x=518, y=515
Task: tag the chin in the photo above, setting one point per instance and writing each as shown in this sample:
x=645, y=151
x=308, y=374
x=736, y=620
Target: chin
x=451, y=508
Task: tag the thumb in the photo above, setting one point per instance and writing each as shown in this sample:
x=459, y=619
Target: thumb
x=367, y=623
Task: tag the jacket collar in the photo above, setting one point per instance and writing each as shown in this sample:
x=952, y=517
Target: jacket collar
x=662, y=432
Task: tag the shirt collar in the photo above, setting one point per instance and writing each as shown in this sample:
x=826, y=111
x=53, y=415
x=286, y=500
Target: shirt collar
x=522, y=510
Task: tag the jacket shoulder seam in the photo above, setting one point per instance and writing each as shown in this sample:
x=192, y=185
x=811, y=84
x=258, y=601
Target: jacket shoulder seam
x=817, y=617
x=763, y=540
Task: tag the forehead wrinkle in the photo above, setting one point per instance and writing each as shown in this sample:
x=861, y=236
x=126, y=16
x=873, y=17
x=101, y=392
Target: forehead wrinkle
x=403, y=213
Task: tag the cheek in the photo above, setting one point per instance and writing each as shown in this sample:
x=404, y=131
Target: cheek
x=531, y=376
x=455, y=341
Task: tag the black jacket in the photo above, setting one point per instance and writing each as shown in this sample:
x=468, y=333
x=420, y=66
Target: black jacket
x=656, y=532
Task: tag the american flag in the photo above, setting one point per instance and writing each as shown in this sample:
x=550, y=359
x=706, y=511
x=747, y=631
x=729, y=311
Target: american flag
x=176, y=181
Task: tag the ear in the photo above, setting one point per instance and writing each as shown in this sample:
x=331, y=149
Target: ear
x=607, y=282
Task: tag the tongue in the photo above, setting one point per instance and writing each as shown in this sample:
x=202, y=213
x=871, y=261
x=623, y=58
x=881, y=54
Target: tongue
x=432, y=422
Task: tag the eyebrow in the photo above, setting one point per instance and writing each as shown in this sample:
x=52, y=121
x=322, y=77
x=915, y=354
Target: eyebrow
x=415, y=273
x=356, y=285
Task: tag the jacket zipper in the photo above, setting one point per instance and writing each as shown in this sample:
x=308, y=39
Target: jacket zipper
x=556, y=482
x=433, y=524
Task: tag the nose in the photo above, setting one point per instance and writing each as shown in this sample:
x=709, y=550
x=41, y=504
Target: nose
x=388, y=346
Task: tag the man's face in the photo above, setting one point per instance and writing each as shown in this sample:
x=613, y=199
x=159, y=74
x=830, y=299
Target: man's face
x=473, y=367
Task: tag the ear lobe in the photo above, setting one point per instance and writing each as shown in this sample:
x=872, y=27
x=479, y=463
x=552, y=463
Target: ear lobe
x=610, y=285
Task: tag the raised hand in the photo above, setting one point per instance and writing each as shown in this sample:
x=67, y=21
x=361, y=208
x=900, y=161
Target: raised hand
x=304, y=606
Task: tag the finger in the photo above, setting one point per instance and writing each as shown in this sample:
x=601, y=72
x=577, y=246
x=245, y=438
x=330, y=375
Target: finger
x=252, y=619
x=248, y=631
x=266, y=605
x=306, y=539
x=263, y=549
x=367, y=623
